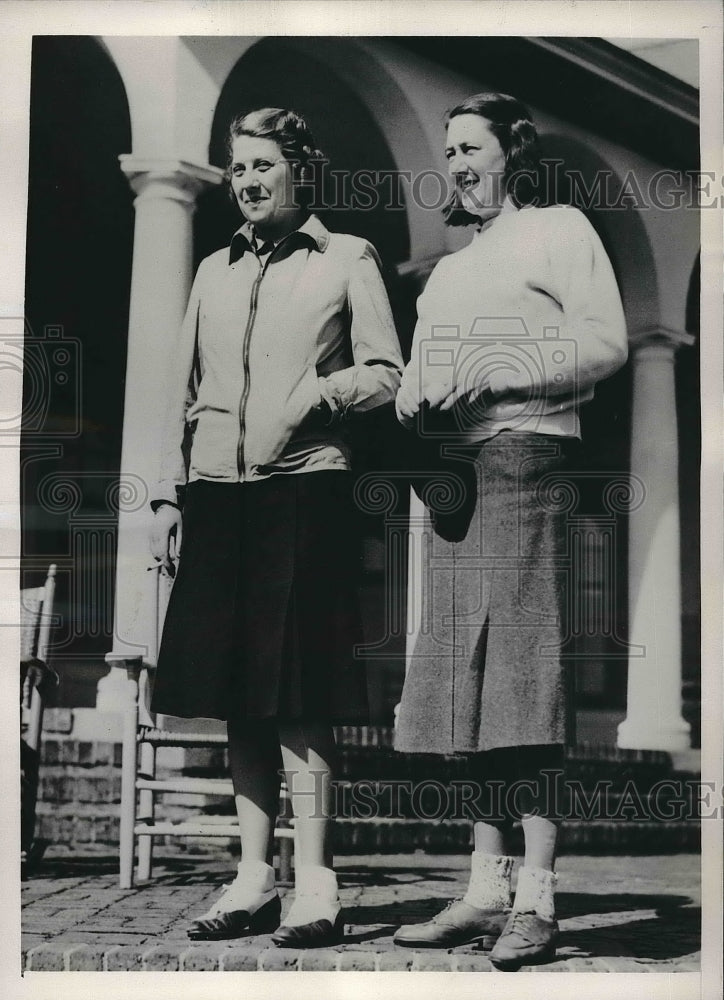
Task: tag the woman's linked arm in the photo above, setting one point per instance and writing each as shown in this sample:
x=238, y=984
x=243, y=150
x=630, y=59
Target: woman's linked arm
x=583, y=282
x=590, y=341
x=374, y=377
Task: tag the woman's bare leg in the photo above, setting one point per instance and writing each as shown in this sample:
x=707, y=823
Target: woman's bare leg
x=309, y=755
x=490, y=866
x=488, y=838
x=539, y=819
x=255, y=762
x=251, y=903
x=541, y=835
x=539, y=806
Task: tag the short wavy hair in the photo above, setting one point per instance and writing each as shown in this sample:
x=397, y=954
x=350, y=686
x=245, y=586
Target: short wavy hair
x=291, y=133
x=511, y=123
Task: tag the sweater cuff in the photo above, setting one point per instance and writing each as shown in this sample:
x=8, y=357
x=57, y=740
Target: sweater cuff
x=155, y=504
x=168, y=493
x=330, y=406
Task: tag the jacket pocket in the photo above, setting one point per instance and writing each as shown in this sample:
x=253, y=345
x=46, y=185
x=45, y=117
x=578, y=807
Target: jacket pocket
x=303, y=402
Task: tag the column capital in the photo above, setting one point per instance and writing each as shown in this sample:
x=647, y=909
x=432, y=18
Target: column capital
x=168, y=178
x=658, y=335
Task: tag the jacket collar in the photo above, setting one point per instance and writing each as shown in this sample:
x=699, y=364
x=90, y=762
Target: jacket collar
x=312, y=232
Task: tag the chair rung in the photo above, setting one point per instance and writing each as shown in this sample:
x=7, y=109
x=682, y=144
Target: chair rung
x=161, y=736
x=195, y=786
x=192, y=786
x=188, y=829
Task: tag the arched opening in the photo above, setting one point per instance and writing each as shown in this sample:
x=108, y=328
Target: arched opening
x=688, y=397
x=78, y=266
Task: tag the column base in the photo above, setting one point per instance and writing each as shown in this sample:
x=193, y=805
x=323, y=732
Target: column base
x=633, y=736
x=118, y=690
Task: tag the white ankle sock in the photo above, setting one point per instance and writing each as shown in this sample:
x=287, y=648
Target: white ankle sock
x=252, y=887
x=536, y=892
x=315, y=896
x=489, y=886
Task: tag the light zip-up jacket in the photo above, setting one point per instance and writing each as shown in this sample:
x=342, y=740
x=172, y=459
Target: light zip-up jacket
x=273, y=355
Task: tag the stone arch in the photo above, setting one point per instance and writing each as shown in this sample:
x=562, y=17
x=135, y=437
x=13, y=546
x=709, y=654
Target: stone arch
x=78, y=272
x=688, y=401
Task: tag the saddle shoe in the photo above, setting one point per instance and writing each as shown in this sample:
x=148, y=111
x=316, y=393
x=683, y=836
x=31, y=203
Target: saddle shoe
x=527, y=939
x=459, y=923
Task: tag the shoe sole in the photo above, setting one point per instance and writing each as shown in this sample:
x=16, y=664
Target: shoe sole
x=263, y=926
x=336, y=936
x=328, y=943
x=485, y=942
x=513, y=964
x=230, y=935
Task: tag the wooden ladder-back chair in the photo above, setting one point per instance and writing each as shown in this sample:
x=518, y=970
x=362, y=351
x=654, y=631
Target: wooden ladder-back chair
x=36, y=678
x=144, y=735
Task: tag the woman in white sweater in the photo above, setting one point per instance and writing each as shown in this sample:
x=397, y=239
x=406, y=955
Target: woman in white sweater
x=513, y=333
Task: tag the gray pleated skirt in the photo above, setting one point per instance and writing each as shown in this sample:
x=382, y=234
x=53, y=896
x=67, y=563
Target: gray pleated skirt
x=486, y=670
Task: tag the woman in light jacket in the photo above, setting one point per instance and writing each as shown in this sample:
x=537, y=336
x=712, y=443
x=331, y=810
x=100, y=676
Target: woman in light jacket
x=514, y=331
x=287, y=332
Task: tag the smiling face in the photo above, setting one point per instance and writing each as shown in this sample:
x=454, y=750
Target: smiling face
x=261, y=179
x=477, y=162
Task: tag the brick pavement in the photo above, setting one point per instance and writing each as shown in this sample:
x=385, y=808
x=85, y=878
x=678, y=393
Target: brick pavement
x=617, y=914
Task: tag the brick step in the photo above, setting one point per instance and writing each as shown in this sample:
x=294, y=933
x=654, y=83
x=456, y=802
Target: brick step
x=368, y=737
x=93, y=832
x=390, y=836
x=411, y=794
x=383, y=764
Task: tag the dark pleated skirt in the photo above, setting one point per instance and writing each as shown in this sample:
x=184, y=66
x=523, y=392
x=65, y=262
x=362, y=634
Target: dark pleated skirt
x=486, y=671
x=263, y=616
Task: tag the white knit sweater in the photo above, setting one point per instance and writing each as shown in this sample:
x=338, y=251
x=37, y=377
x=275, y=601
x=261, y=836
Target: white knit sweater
x=523, y=322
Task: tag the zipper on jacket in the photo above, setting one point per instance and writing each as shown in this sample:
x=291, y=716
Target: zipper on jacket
x=246, y=348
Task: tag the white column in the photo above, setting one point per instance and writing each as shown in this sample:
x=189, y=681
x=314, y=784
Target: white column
x=654, y=719
x=166, y=193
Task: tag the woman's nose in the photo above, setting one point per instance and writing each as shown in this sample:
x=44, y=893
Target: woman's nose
x=249, y=179
x=456, y=166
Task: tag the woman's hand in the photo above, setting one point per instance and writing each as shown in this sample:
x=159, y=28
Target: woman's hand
x=165, y=540
x=438, y=387
x=407, y=403
x=485, y=395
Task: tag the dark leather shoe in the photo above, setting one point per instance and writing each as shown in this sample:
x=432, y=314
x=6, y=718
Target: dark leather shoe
x=237, y=923
x=317, y=934
x=526, y=940
x=458, y=923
